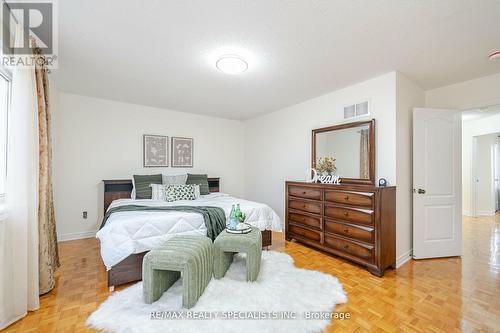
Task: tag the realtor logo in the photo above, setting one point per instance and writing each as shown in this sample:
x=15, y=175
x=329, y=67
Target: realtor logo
x=29, y=28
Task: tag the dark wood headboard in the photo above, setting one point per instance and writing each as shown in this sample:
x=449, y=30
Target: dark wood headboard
x=122, y=188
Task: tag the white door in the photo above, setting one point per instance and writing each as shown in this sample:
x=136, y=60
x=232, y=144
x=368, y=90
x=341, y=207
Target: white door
x=473, y=178
x=437, y=183
x=497, y=174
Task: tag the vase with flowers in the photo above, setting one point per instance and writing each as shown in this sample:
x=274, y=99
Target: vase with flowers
x=325, y=165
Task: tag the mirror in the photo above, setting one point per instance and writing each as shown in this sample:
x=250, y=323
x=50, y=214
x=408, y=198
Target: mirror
x=353, y=148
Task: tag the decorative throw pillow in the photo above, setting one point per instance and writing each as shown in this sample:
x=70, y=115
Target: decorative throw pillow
x=142, y=185
x=158, y=192
x=201, y=180
x=197, y=194
x=179, y=192
x=132, y=193
x=179, y=179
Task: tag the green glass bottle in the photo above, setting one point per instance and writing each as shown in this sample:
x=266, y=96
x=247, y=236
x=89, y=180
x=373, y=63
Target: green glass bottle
x=233, y=220
x=232, y=214
x=238, y=211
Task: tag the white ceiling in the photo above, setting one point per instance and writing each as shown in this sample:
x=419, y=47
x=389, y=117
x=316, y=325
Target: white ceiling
x=162, y=53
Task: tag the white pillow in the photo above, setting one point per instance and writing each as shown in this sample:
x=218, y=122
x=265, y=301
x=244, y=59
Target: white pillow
x=197, y=194
x=132, y=194
x=158, y=192
x=179, y=179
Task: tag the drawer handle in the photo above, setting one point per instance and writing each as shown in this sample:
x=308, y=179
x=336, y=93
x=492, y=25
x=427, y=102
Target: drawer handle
x=346, y=213
x=346, y=198
x=304, y=193
x=346, y=230
x=346, y=246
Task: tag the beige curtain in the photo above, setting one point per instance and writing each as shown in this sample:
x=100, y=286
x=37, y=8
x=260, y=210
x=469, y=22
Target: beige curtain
x=19, y=214
x=364, y=167
x=48, y=256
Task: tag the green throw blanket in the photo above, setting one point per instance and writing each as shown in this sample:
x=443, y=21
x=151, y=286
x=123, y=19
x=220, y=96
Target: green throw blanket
x=215, y=218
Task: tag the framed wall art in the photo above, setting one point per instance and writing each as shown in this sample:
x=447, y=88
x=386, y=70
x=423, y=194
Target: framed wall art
x=182, y=152
x=155, y=151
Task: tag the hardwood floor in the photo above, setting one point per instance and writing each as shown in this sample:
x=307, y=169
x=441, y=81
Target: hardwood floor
x=439, y=295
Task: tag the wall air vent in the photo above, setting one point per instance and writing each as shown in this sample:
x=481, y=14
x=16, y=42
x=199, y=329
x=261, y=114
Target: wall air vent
x=356, y=110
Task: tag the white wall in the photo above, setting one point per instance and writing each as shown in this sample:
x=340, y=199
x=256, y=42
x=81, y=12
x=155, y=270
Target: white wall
x=96, y=139
x=470, y=129
x=278, y=145
x=408, y=96
x=466, y=95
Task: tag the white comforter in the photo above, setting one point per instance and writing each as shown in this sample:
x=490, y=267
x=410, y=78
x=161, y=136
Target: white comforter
x=126, y=233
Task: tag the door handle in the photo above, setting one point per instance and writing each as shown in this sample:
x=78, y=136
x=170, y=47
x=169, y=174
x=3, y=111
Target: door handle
x=421, y=191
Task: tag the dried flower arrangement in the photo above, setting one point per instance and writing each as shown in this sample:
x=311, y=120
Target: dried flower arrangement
x=326, y=165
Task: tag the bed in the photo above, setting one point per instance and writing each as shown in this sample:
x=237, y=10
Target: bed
x=128, y=236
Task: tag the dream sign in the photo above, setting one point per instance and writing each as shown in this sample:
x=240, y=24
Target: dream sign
x=313, y=177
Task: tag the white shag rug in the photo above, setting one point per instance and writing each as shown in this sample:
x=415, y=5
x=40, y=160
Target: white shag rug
x=281, y=291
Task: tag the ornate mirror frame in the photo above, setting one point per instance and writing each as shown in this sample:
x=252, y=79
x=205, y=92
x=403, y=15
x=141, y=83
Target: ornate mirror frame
x=371, y=149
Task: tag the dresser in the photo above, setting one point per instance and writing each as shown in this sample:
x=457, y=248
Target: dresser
x=356, y=222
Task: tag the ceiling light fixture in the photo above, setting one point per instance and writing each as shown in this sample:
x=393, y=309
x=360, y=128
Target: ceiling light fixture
x=231, y=64
x=494, y=55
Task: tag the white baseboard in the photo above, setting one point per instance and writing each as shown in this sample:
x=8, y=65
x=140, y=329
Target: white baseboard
x=405, y=257
x=485, y=213
x=466, y=213
x=75, y=235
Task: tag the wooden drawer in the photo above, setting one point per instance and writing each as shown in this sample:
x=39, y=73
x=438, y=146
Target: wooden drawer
x=360, y=233
x=365, y=252
x=361, y=216
x=350, y=198
x=295, y=231
x=310, y=221
x=305, y=192
x=306, y=206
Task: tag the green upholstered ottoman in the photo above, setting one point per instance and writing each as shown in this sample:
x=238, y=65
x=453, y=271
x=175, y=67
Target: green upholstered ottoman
x=189, y=256
x=226, y=245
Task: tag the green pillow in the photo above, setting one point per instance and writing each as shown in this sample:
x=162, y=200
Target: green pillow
x=201, y=180
x=142, y=185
